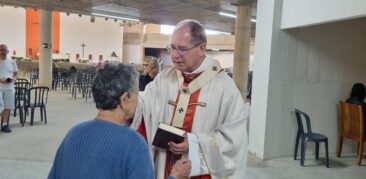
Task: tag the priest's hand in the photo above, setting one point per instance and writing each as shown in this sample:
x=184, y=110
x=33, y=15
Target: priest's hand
x=179, y=148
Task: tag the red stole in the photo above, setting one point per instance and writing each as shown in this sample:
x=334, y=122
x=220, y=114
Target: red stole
x=188, y=122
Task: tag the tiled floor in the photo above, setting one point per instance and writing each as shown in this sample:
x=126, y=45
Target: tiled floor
x=28, y=151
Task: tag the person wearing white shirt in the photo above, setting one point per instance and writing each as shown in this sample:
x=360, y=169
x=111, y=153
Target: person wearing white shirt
x=8, y=74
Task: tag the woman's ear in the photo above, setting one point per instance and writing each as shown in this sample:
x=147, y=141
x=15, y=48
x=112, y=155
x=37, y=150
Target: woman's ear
x=123, y=99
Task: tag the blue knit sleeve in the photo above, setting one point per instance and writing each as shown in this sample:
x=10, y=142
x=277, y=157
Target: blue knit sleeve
x=170, y=177
x=139, y=161
x=55, y=165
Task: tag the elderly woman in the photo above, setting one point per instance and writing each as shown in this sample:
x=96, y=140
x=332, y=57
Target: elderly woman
x=104, y=147
x=151, y=69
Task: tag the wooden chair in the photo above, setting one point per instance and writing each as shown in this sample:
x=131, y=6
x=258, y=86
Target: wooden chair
x=351, y=126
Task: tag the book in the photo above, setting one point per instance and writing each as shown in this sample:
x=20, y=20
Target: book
x=165, y=134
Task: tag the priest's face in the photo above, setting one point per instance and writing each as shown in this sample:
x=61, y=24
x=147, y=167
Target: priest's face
x=186, y=56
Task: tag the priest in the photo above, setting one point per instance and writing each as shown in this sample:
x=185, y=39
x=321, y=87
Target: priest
x=200, y=98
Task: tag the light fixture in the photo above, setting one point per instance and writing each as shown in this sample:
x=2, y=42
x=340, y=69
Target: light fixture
x=227, y=14
x=115, y=17
x=234, y=16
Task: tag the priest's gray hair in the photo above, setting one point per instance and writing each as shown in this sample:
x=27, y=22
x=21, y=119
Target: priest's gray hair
x=198, y=32
x=110, y=82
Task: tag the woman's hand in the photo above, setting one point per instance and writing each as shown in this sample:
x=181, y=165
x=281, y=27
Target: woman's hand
x=181, y=169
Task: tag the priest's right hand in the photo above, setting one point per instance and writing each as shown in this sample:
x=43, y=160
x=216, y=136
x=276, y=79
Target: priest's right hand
x=181, y=169
x=179, y=148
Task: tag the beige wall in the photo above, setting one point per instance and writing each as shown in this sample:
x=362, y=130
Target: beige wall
x=153, y=28
x=12, y=29
x=311, y=69
x=101, y=37
x=132, y=53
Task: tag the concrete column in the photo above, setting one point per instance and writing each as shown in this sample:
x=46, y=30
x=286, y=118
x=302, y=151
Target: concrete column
x=45, y=49
x=122, y=45
x=142, y=41
x=242, y=45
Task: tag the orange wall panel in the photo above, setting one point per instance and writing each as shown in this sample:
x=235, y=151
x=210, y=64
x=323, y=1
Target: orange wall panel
x=56, y=32
x=33, y=33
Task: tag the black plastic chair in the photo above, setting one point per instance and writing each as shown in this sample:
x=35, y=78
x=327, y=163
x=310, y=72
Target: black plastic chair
x=37, y=97
x=22, y=84
x=21, y=80
x=20, y=102
x=308, y=136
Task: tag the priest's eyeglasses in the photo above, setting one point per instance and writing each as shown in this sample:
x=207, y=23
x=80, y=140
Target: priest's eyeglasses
x=181, y=51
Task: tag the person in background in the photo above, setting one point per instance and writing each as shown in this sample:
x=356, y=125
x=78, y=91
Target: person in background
x=8, y=74
x=73, y=69
x=151, y=69
x=105, y=147
x=99, y=64
x=1, y=103
x=357, y=97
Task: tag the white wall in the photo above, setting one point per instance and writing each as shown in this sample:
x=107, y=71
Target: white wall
x=311, y=69
x=12, y=29
x=297, y=13
x=101, y=37
x=262, y=54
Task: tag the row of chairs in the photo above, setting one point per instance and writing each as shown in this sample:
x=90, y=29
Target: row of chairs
x=28, y=98
x=76, y=82
x=351, y=126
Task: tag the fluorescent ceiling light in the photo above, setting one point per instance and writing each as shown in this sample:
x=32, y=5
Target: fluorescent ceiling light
x=227, y=14
x=233, y=16
x=115, y=17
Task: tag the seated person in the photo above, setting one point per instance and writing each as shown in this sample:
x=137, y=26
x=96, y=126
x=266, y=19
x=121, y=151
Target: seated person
x=104, y=147
x=357, y=97
x=151, y=69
